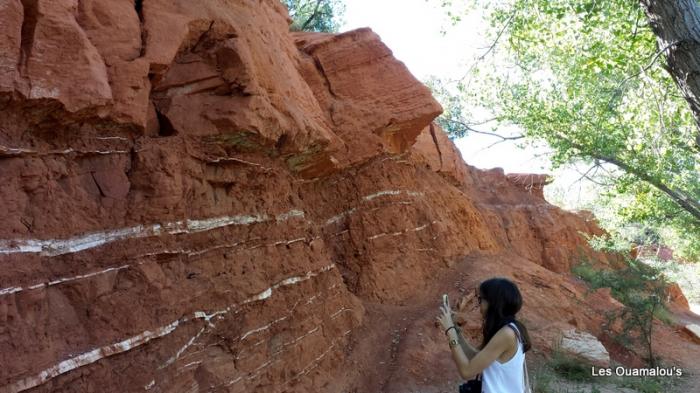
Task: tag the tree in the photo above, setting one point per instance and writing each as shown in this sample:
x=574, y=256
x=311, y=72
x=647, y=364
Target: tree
x=588, y=78
x=641, y=289
x=676, y=24
x=315, y=15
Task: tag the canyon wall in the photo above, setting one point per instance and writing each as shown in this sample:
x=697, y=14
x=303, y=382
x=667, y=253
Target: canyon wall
x=196, y=199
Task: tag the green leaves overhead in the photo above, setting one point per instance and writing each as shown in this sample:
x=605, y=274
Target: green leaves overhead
x=587, y=78
x=315, y=15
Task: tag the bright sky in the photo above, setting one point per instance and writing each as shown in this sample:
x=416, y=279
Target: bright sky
x=412, y=30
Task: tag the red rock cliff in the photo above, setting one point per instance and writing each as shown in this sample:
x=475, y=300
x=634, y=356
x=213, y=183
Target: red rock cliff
x=195, y=199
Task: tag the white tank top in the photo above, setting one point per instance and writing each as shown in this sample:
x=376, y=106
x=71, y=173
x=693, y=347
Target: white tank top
x=506, y=377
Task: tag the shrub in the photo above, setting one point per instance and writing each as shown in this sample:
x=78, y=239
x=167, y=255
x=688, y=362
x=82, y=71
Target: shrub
x=640, y=288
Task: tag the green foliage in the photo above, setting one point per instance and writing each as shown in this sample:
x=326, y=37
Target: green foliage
x=637, y=325
x=541, y=381
x=570, y=367
x=626, y=284
x=652, y=384
x=609, y=244
x=586, y=78
x=640, y=288
x=564, y=373
x=315, y=15
x=687, y=275
x=453, y=12
x=452, y=119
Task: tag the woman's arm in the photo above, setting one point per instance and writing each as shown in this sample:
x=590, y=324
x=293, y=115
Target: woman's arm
x=466, y=348
x=458, y=354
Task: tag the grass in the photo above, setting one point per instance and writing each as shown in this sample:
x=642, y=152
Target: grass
x=563, y=373
x=569, y=367
x=560, y=367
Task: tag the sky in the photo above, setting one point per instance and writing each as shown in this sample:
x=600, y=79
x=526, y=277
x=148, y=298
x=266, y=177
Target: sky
x=412, y=30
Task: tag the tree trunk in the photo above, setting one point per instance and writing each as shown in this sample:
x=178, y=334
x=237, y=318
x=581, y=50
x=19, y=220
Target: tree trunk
x=676, y=24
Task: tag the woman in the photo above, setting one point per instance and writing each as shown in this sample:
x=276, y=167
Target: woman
x=501, y=355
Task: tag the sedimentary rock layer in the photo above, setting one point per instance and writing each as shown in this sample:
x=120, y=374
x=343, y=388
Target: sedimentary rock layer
x=196, y=199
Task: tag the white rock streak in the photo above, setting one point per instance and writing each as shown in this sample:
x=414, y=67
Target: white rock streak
x=7, y=291
x=342, y=310
x=290, y=214
x=314, y=363
x=53, y=247
x=420, y=228
x=88, y=358
x=284, y=347
x=284, y=344
x=233, y=159
x=10, y=290
x=296, y=340
x=140, y=339
x=275, y=360
x=248, y=333
x=182, y=350
x=121, y=138
x=16, y=151
x=391, y=192
x=340, y=216
x=291, y=311
x=190, y=364
x=367, y=198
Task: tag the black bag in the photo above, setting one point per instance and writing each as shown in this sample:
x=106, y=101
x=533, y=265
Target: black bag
x=471, y=386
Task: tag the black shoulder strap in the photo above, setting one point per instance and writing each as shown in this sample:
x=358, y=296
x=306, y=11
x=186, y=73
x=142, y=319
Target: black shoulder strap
x=517, y=332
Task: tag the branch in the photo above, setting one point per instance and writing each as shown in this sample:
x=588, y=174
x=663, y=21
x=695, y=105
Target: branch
x=583, y=175
x=678, y=196
x=478, y=123
x=498, y=37
x=648, y=66
x=590, y=178
x=491, y=145
x=468, y=127
x=313, y=15
x=490, y=48
x=636, y=27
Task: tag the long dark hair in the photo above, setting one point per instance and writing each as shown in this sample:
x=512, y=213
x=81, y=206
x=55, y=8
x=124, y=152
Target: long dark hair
x=504, y=301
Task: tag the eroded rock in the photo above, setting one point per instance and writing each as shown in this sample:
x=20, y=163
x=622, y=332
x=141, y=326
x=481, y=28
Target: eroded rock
x=586, y=346
x=694, y=331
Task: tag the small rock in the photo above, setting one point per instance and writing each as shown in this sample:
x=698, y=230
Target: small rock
x=694, y=331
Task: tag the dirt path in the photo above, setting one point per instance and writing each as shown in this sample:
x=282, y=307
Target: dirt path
x=692, y=382
x=400, y=350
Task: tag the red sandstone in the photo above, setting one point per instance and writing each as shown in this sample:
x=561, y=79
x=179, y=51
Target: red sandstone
x=195, y=199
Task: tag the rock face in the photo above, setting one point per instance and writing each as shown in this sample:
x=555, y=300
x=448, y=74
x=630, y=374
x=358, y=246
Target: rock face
x=195, y=199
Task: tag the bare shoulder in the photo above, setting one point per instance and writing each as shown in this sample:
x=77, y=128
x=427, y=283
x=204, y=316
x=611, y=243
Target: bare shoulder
x=506, y=331
x=504, y=337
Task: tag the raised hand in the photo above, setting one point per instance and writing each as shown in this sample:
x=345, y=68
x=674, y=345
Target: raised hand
x=445, y=317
